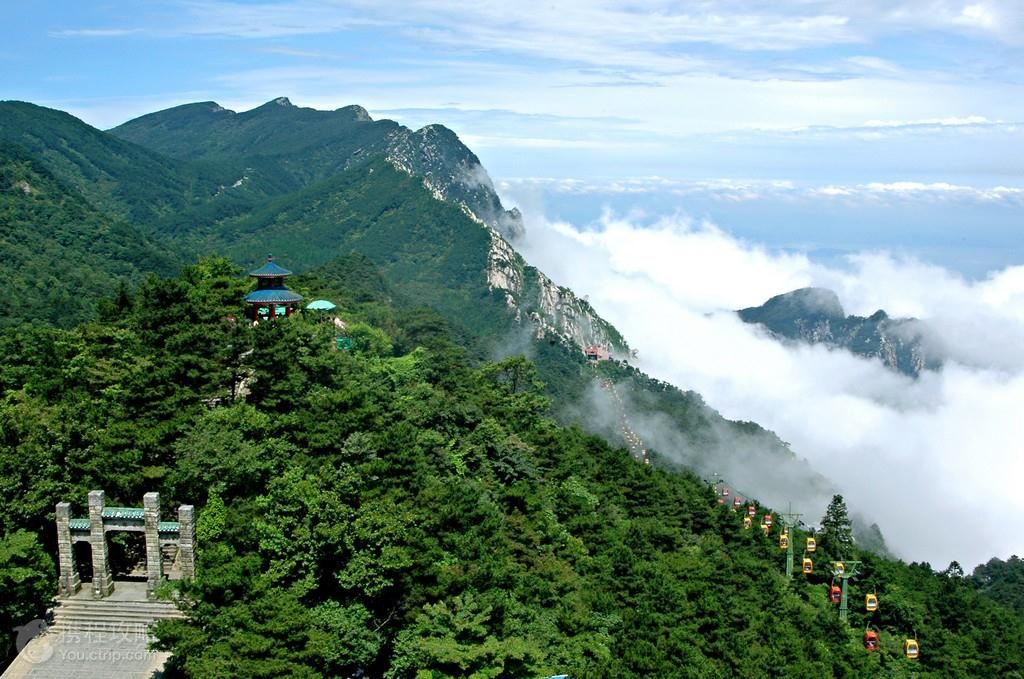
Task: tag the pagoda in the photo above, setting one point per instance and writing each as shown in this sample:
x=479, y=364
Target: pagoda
x=271, y=298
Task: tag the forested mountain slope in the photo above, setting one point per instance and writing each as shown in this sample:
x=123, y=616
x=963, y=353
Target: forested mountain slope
x=60, y=254
x=306, y=146
x=401, y=510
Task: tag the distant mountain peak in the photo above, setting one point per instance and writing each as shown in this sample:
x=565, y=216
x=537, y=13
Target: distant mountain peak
x=356, y=111
x=283, y=101
x=808, y=301
x=815, y=316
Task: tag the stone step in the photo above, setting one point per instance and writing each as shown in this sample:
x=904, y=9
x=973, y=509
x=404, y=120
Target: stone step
x=91, y=604
x=118, y=612
x=106, y=628
x=117, y=615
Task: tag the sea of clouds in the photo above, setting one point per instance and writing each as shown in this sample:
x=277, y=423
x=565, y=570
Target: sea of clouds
x=936, y=461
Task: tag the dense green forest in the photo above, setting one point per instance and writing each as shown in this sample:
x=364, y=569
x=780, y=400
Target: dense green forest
x=61, y=253
x=408, y=510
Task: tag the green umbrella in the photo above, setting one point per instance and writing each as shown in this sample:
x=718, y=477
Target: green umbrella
x=321, y=305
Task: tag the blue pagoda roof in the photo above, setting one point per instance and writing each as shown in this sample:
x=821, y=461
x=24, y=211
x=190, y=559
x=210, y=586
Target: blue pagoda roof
x=270, y=270
x=272, y=296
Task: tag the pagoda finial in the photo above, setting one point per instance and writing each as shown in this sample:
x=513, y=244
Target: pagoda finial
x=270, y=257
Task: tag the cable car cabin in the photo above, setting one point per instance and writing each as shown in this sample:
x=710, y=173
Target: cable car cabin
x=751, y=511
x=839, y=567
x=835, y=595
x=768, y=520
x=725, y=491
x=811, y=545
x=871, y=602
x=721, y=500
x=783, y=541
x=808, y=566
x=747, y=523
x=871, y=640
x=911, y=649
x=737, y=502
x=765, y=529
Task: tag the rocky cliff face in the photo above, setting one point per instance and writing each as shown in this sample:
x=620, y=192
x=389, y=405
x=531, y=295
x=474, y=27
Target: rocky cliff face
x=552, y=310
x=453, y=173
x=815, y=316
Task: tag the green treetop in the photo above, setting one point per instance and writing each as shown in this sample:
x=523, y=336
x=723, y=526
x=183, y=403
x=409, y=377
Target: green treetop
x=836, y=528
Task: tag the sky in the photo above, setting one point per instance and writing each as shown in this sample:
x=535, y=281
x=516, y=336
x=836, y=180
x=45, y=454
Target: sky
x=692, y=157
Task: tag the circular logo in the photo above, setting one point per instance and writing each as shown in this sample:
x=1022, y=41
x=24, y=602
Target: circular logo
x=37, y=652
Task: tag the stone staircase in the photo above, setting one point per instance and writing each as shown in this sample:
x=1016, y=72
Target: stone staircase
x=115, y=615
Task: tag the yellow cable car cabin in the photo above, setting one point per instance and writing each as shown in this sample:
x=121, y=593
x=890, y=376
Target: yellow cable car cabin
x=766, y=529
x=783, y=541
x=871, y=602
x=747, y=523
x=839, y=567
x=811, y=545
x=871, y=640
x=808, y=566
x=911, y=649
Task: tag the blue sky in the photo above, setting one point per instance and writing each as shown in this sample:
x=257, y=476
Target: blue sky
x=846, y=107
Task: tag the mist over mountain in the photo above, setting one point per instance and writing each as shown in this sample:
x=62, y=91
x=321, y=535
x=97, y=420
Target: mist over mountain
x=815, y=316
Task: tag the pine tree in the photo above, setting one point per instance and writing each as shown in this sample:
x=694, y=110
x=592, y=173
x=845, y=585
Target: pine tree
x=836, y=528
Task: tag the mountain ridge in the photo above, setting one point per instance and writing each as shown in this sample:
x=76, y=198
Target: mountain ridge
x=338, y=139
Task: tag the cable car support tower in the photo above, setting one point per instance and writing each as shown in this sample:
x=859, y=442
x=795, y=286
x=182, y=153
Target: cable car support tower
x=848, y=570
x=790, y=521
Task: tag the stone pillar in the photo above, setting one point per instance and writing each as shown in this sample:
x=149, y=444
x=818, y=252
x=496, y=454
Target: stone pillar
x=154, y=559
x=187, y=540
x=102, y=582
x=69, y=580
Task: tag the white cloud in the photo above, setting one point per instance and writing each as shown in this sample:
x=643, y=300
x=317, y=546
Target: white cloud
x=759, y=189
x=940, y=451
x=610, y=30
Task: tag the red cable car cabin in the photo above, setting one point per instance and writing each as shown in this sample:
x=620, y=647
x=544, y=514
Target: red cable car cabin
x=751, y=511
x=768, y=520
x=737, y=501
x=835, y=594
x=871, y=640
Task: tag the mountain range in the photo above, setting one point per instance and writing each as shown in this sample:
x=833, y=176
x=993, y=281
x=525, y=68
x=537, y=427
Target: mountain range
x=314, y=186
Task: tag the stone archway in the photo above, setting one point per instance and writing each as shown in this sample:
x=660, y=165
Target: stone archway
x=103, y=519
